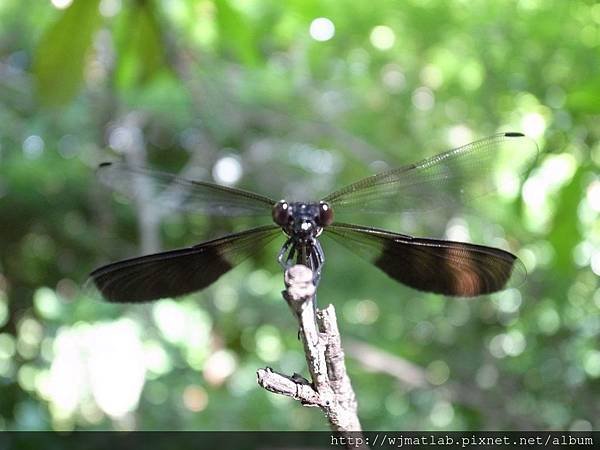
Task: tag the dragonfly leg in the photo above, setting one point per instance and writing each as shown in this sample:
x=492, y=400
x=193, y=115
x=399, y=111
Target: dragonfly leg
x=318, y=259
x=286, y=254
x=320, y=254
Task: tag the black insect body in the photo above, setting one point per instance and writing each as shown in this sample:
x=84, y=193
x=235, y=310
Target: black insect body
x=430, y=265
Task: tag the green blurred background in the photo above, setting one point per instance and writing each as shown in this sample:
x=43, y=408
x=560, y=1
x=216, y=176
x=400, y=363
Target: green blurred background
x=294, y=97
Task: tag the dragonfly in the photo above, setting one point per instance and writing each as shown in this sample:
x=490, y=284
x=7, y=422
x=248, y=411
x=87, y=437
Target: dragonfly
x=444, y=267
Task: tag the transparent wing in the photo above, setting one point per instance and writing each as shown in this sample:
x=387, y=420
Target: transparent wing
x=178, y=272
x=446, y=179
x=173, y=192
x=430, y=265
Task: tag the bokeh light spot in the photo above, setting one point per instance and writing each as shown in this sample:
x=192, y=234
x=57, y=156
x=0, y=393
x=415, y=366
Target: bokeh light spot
x=396, y=403
x=227, y=170
x=513, y=343
x=156, y=359
x=367, y=312
x=487, y=376
x=258, y=282
x=533, y=125
x=593, y=195
x=226, y=298
x=7, y=346
x=382, y=37
x=61, y=4
x=508, y=301
x=33, y=147
x=431, y=76
x=393, y=78
x=471, y=75
x=458, y=230
x=438, y=372
x=195, y=398
x=46, y=303
x=322, y=29
x=114, y=356
x=219, y=366
x=459, y=135
x=26, y=377
x=591, y=363
x=548, y=321
x=442, y=414
x=268, y=343
x=423, y=99
x=595, y=262
x=110, y=8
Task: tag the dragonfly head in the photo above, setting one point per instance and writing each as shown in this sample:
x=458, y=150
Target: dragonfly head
x=302, y=220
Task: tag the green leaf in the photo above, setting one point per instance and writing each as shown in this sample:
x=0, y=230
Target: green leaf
x=236, y=35
x=141, y=52
x=60, y=55
x=584, y=99
x=565, y=234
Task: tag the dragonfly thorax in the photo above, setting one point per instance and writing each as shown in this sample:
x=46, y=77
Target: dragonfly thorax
x=302, y=220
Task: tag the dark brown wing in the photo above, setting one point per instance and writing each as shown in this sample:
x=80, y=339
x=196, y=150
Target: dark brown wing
x=430, y=265
x=178, y=272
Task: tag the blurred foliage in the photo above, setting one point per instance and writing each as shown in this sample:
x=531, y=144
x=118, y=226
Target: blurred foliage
x=301, y=106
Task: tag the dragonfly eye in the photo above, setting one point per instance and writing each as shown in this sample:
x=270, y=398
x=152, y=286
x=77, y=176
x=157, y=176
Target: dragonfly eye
x=281, y=213
x=325, y=214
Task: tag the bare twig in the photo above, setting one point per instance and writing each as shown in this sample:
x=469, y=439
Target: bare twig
x=377, y=360
x=330, y=388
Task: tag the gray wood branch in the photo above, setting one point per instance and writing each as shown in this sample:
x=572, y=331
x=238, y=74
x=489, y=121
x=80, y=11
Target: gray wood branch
x=136, y=154
x=492, y=404
x=330, y=388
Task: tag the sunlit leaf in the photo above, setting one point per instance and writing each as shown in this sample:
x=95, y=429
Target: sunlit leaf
x=585, y=98
x=141, y=53
x=60, y=55
x=565, y=232
x=236, y=34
